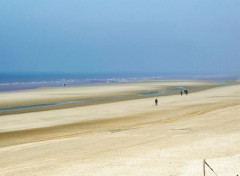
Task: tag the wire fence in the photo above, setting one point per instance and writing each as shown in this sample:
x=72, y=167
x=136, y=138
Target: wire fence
x=204, y=168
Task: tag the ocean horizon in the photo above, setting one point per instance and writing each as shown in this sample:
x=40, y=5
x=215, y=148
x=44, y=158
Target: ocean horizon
x=22, y=81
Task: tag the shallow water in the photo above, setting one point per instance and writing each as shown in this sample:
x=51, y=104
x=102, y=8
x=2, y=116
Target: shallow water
x=90, y=100
x=49, y=104
x=159, y=92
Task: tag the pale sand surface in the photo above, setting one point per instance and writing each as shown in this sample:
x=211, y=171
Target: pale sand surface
x=131, y=137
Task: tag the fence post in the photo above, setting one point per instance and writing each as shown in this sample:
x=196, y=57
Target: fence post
x=204, y=167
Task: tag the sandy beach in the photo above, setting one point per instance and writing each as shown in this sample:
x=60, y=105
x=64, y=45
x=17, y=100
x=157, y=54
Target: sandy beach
x=122, y=136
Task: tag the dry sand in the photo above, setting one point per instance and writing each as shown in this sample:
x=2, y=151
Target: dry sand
x=129, y=137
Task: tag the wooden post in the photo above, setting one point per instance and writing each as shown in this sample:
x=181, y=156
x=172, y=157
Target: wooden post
x=204, y=167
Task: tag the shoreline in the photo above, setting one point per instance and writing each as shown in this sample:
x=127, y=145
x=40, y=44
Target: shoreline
x=220, y=80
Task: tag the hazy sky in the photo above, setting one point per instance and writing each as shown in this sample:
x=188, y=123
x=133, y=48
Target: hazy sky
x=181, y=36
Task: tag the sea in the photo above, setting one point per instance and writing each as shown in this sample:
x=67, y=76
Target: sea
x=22, y=81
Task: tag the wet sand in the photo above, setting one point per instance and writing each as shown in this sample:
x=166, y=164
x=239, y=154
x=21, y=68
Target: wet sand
x=127, y=137
x=60, y=98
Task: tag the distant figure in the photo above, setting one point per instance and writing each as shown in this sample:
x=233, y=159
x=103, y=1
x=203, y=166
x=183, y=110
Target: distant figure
x=181, y=92
x=156, y=102
x=186, y=92
x=64, y=85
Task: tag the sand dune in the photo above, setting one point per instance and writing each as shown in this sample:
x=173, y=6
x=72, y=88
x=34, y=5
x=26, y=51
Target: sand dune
x=130, y=137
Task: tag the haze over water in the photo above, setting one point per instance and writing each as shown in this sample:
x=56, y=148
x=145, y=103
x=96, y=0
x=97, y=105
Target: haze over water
x=9, y=82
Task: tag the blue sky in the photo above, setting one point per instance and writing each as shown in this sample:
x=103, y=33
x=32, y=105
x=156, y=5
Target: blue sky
x=170, y=36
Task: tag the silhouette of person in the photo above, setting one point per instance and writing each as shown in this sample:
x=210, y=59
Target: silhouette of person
x=181, y=92
x=185, y=91
x=156, y=102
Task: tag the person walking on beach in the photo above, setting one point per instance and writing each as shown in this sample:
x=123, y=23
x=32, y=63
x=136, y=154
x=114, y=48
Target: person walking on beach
x=156, y=102
x=186, y=92
x=181, y=92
